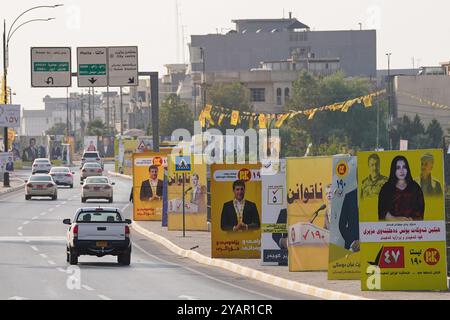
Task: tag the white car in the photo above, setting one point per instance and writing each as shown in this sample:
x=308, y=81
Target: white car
x=91, y=156
x=62, y=176
x=41, y=185
x=90, y=169
x=41, y=166
x=97, y=188
x=98, y=232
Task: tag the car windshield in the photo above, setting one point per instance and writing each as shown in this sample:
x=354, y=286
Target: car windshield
x=61, y=170
x=40, y=178
x=92, y=165
x=97, y=180
x=91, y=155
x=42, y=161
x=99, y=216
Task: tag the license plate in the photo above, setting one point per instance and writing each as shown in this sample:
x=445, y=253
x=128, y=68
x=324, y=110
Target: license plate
x=40, y=187
x=96, y=188
x=101, y=244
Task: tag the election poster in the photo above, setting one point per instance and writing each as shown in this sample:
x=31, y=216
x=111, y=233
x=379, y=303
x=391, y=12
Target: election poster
x=344, y=256
x=32, y=148
x=195, y=198
x=90, y=143
x=308, y=202
x=274, y=237
x=129, y=147
x=105, y=147
x=402, y=220
x=148, y=185
x=236, y=211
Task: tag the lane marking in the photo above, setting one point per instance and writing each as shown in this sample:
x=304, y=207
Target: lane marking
x=43, y=213
x=35, y=248
x=26, y=222
x=51, y=262
x=61, y=270
x=103, y=297
x=20, y=228
x=87, y=288
x=65, y=202
x=43, y=256
x=188, y=297
x=20, y=234
x=207, y=276
x=34, y=239
x=51, y=209
x=58, y=206
x=34, y=218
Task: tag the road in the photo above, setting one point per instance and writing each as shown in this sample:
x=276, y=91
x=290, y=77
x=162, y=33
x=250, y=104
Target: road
x=33, y=260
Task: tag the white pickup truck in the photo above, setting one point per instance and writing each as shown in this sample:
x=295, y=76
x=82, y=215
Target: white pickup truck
x=98, y=232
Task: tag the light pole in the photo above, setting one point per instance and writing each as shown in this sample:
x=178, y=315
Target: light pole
x=203, y=55
x=6, y=40
x=389, y=99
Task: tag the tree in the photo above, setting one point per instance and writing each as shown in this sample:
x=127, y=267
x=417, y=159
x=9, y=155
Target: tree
x=175, y=114
x=229, y=95
x=435, y=132
x=96, y=128
x=58, y=129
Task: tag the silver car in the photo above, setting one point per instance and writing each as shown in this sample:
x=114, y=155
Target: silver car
x=41, y=166
x=62, y=176
x=91, y=169
x=91, y=156
x=41, y=185
x=97, y=188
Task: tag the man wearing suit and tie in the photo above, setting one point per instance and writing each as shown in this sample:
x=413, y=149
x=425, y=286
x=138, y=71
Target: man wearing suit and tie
x=239, y=214
x=105, y=148
x=349, y=221
x=152, y=189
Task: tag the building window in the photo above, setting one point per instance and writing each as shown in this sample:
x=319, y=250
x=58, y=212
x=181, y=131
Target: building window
x=258, y=95
x=279, y=102
x=287, y=93
x=298, y=36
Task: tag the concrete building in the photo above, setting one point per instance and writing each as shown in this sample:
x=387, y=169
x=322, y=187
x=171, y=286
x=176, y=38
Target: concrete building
x=259, y=40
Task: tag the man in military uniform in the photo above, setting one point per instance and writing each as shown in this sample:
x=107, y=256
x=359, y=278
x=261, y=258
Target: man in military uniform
x=430, y=186
x=372, y=185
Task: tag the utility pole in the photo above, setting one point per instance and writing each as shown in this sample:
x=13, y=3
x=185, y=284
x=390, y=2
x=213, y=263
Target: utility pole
x=389, y=99
x=121, y=111
x=107, y=109
x=68, y=112
x=154, y=86
x=5, y=98
x=202, y=50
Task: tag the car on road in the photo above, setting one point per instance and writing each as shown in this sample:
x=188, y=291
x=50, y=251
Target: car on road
x=97, y=188
x=41, y=166
x=91, y=156
x=90, y=169
x=41, y=185
x=62, y=176
x=98, y=232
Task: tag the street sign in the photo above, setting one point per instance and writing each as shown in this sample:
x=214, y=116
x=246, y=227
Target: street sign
x=123, y=66
x=183, y=164
x=10, y=115
x=51, y=67
x=92, y=67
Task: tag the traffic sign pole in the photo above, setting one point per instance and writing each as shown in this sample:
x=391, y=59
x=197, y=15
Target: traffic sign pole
x=184, y=204
x=5, y=89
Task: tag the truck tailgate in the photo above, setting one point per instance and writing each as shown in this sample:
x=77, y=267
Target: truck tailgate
x=101, y=231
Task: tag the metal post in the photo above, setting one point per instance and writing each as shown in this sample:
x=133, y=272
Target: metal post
x=68, y=113
x=378, y=124
x=204, y=77
x=121, y=111
x=108, y=121
x=184, y=205
x=89, y=105
x=82, y=122
x=5, y=86
x=154, y=86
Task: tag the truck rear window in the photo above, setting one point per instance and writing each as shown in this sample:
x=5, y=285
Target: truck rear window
x=99, y=217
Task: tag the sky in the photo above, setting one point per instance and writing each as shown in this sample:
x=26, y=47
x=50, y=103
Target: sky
x=409, y=29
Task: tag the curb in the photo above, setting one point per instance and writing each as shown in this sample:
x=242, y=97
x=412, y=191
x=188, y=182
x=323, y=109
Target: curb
x=114, y=174
x=248, y=272
x=10, y=190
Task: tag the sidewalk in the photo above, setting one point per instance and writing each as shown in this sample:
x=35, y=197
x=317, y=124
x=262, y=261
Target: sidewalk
x=316, y=279
x=15, y=183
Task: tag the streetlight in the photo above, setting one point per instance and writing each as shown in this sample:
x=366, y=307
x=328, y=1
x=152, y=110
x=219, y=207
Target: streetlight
x=389, y=99
x=6, y=40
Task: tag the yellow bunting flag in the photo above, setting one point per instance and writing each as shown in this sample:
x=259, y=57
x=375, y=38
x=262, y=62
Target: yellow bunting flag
x=281, y=120
x=367, y=101
x=234, y=118
x=312, y=114
x=262, y=121
x=348, y=105
x=202, y=119
x=221, y=119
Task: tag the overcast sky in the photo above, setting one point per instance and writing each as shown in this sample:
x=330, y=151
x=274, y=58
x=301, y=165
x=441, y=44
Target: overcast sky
x=407, y=28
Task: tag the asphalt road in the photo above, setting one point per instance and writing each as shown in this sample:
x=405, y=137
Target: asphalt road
x=33, y=260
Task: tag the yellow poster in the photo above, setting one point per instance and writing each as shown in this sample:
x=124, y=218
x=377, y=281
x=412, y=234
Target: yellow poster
x=402, y=220
x=148, y=185
x=236, y=211
x=344, y=257
x=195, y=198
x=308, y=197
x=126, y=166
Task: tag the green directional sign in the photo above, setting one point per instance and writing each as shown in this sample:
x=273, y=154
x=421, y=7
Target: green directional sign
x=92, y=69
x=51, y=67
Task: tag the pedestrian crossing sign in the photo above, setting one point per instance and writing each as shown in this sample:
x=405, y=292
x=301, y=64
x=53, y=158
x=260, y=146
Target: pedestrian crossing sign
x=183, y=164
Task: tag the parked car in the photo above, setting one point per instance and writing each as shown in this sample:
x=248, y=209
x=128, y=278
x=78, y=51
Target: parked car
x=41, y=166
x=90, y=169
x=41, y=185
x=62, y=176
x=91, y=156
x=97, y=188
x=98, y=232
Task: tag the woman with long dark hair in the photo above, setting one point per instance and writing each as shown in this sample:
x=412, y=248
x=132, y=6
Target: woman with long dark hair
x=401, y=198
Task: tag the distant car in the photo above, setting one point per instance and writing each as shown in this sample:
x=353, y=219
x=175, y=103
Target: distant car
x=91, y=156
x=41, y=166
x=41, y=185
x=97, y=188
x=62, y=176
x=90, y=169
x=98, y=232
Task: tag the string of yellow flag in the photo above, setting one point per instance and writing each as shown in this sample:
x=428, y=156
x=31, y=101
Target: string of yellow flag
x=265, y=120
x=432, y=104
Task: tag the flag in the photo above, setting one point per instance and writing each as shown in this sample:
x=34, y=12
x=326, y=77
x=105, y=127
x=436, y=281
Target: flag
x=262, y=121
x=367, y=101
x=234, y=118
